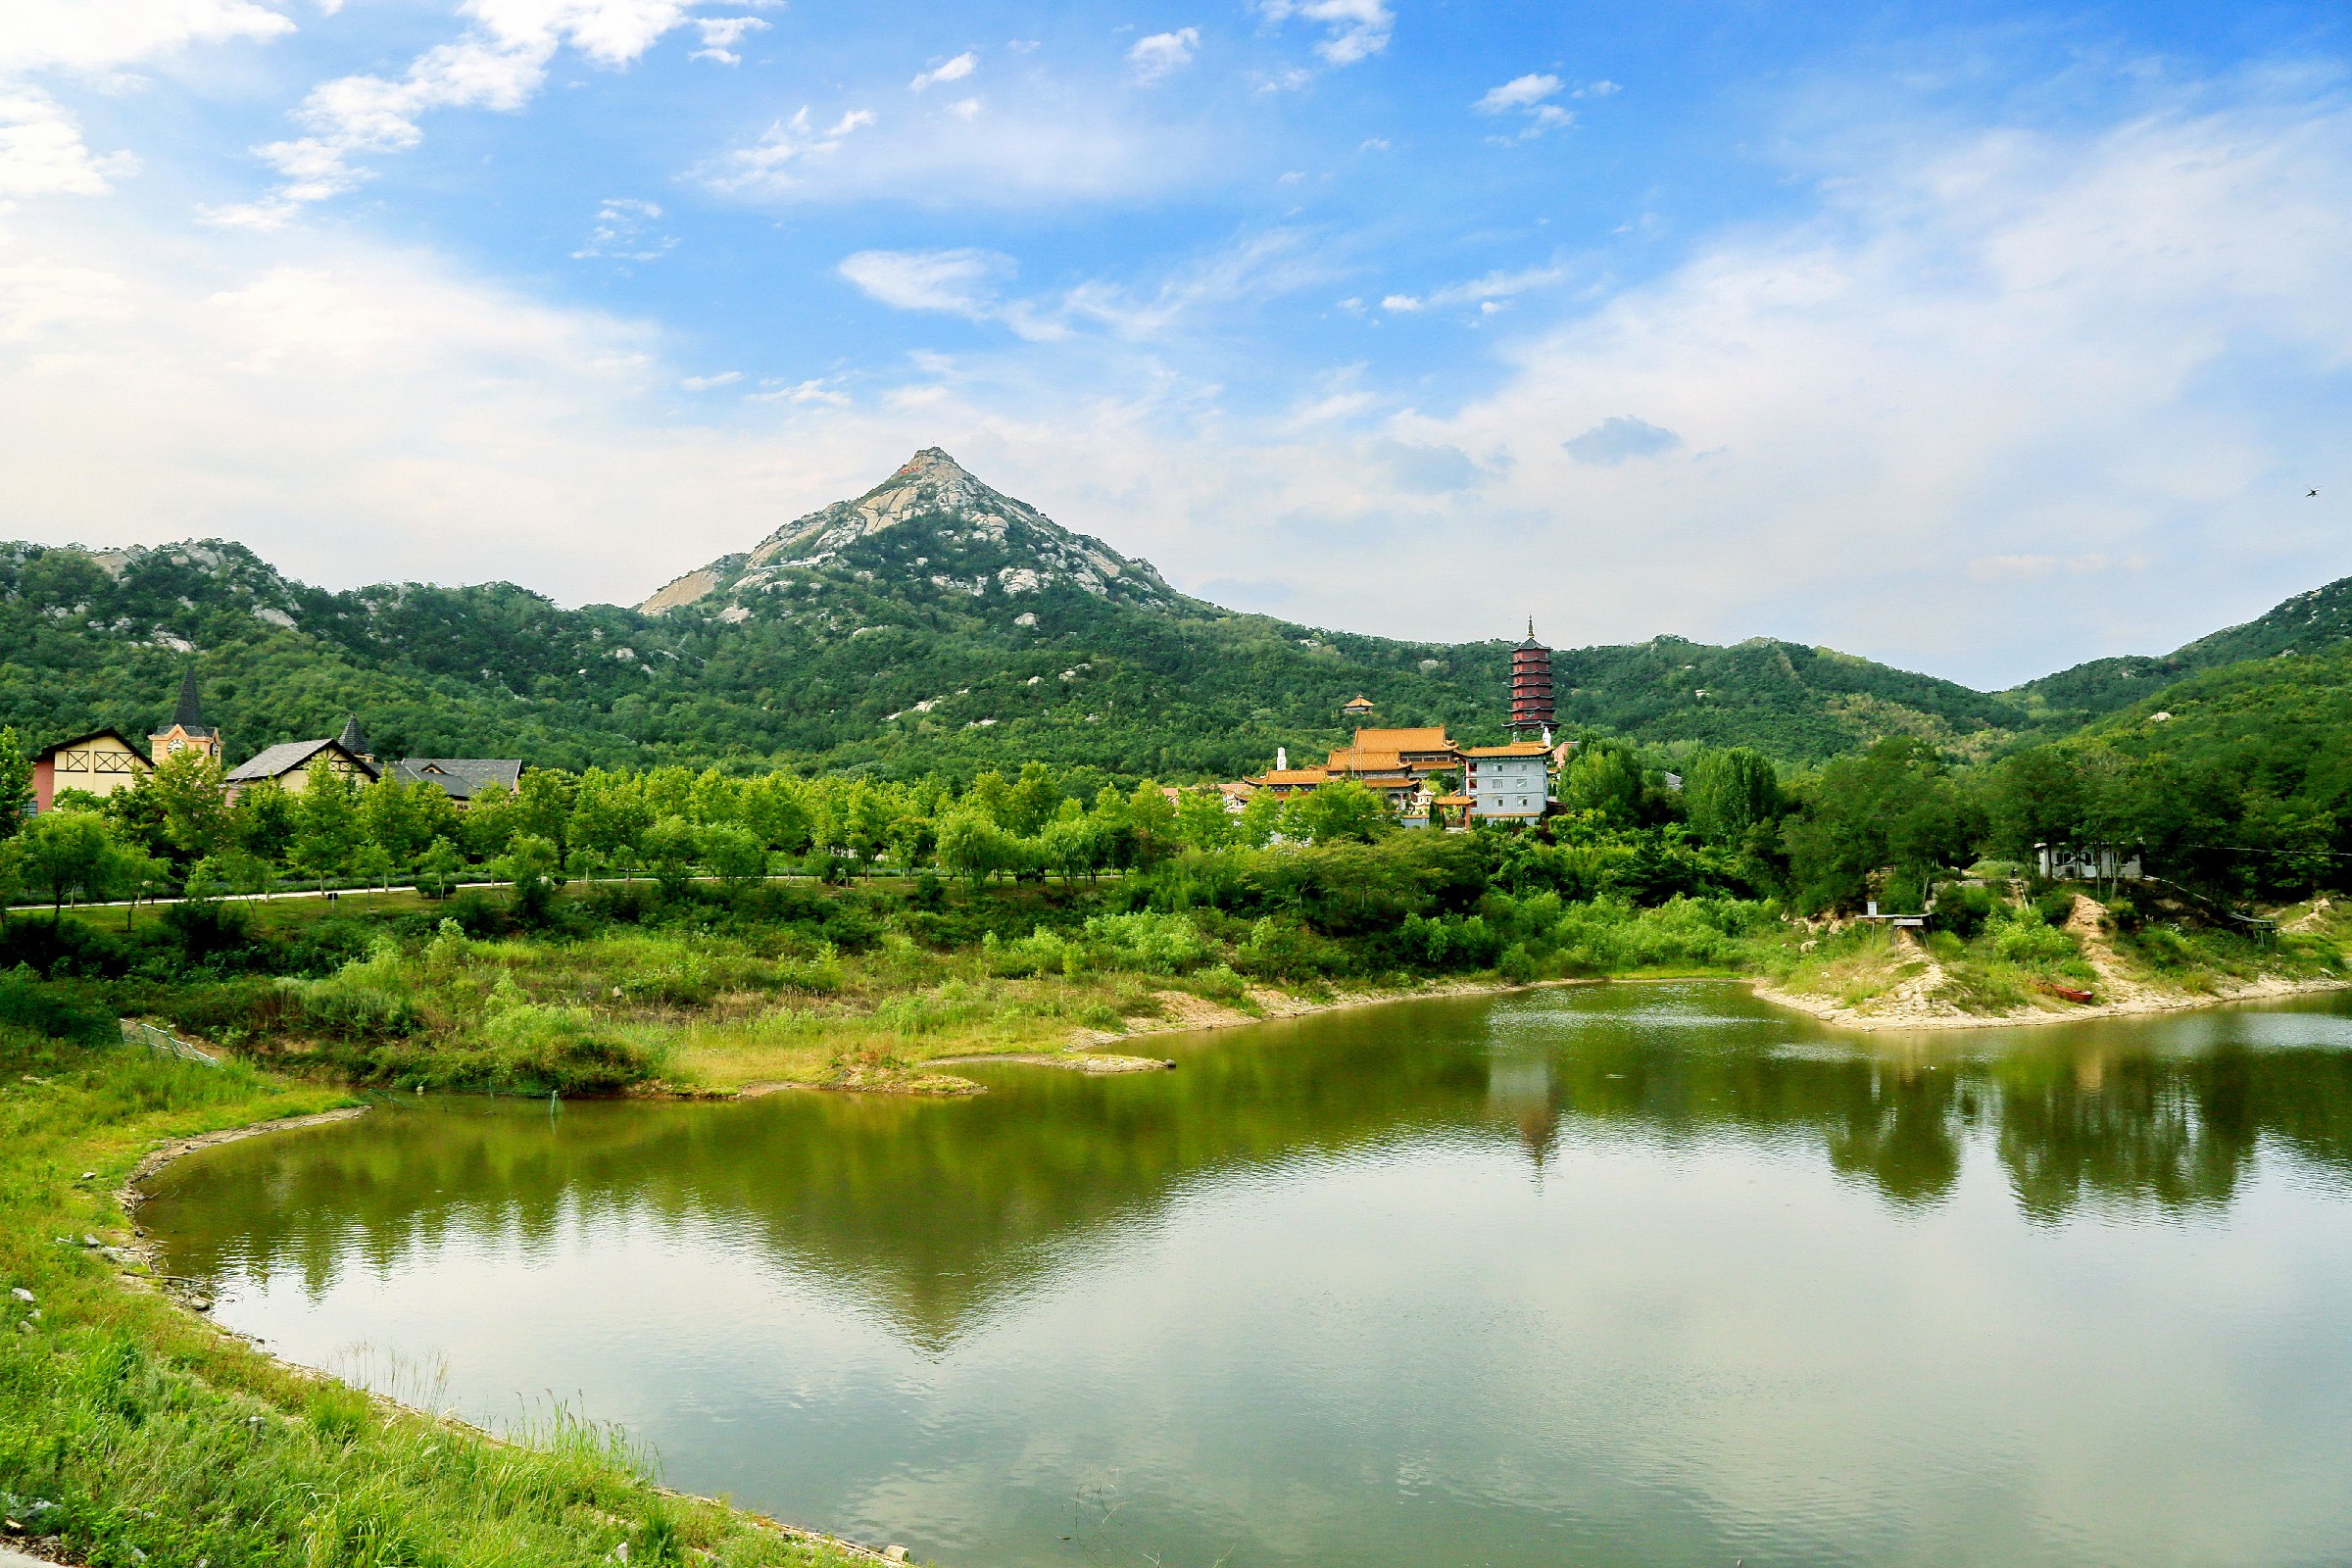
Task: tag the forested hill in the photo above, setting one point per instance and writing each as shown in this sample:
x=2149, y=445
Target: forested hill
x=2313, y=622
x=930, y=623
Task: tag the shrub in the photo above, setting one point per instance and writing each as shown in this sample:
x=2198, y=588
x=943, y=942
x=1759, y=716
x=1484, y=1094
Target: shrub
x=2026, y=938
x=2055, y=907
x=59, y=1011
x=1963, y=910
x=1146, y=942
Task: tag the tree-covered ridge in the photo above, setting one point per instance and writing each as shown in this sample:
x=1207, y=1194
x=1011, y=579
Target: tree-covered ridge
x=931, y=624
x=2310, y=622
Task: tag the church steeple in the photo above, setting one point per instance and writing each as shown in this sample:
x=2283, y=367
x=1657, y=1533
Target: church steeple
x=187, y=731
x=352, y=741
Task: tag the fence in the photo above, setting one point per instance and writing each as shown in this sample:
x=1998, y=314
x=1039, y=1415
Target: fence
x=153, y=1039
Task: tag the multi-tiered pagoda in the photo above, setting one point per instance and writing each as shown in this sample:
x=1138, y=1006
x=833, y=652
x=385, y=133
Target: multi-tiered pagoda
x=1531, y=686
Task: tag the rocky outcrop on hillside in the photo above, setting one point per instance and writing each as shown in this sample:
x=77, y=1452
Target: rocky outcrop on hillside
x=932, y=528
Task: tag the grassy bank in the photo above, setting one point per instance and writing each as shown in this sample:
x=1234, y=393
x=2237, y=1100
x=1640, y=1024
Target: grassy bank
x=132, y=1433
x=710, y=987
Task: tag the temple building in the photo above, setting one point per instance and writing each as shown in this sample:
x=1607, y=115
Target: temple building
x=1509, y=783
x=1531, y=686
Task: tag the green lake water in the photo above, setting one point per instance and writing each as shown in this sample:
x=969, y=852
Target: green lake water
x=1607, y=1275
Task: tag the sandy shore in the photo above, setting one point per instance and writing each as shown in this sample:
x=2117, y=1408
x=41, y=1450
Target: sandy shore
x=1915, y=1004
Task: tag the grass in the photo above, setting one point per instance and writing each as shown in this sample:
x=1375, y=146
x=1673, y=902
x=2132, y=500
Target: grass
x=132, y=1435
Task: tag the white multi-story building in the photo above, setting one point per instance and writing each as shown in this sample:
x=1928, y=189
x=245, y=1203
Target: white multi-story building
x=1511, y=783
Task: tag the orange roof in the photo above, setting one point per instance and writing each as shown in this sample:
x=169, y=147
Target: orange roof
x=1515, y=748
x=1361, y=760
x=1239, y=786
x=1432, y=739
x=1451, y=800
x=1291, y=776
x=1356, y=704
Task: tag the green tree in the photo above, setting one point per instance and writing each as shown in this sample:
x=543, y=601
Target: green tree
x=61, y=853
x=16, y=782
x=194, y=803
x=543, y=805
x=1729, y=793
x=439, y=869
x=608, y=815
x=1341, y=811
x=530, y=863
x=374, y=863
x=326, y=823
x=669, y=851
x=732, y=853
x=261, y=821
x=491, y=822
x=1202, y=820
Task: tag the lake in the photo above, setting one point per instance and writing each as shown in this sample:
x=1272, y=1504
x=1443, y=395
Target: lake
x=1640, y=1274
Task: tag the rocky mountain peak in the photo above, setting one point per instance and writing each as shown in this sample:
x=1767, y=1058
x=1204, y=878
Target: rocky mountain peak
x=968, y=541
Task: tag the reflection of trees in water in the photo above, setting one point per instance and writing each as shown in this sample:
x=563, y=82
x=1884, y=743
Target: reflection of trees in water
x=936, y=1212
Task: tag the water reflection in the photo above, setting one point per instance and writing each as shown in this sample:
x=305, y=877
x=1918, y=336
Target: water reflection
x=936, y=1214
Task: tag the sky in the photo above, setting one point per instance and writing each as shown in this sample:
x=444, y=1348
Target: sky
x=1978, y=338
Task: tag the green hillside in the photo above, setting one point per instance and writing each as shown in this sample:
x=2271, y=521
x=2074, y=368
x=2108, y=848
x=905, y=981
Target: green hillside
x=2308, y=623
x=931, y=623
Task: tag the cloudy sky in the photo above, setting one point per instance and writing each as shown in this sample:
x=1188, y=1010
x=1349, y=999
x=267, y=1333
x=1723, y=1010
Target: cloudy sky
x=1980, y=338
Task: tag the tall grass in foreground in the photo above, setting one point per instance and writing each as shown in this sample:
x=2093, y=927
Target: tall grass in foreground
x=140, y=1437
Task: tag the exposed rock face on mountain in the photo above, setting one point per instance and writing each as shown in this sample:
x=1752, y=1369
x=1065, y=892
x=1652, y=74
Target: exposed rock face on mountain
x=932, y=525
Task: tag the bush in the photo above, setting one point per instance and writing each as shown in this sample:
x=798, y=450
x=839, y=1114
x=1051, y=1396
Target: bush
x=2055, y=906
x=1146, y=941
x=1963, y=910
x=2027, y=937
x=58, y=1011
x=203, y=930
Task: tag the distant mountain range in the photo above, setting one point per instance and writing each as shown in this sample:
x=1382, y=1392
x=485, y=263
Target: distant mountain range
x=931, y=623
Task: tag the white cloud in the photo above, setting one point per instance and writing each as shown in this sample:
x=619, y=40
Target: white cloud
x=1354, y=29
x=627, y=230
x=41, y=151
x=963, y=282
x=1401, y=302
x=722, y=34
x=499, y=65
x=1526, y=95
x=80, y=37
x=780, y=161
x=704, y=384
x=1048, y=144
x=1520, y=92
x=1162, y=53
x=817, y=389
x=956, y=69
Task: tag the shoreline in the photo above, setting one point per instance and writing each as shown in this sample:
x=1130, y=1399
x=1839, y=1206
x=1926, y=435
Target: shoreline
x=2143, y=1003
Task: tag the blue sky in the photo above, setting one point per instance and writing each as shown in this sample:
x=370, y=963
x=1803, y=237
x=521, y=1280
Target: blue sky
x=1976, y=338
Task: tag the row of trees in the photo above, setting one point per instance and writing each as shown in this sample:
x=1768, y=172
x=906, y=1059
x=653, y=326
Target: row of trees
x=1887, y=823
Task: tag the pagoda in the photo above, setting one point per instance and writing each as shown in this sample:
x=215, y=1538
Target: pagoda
x=1531, y=685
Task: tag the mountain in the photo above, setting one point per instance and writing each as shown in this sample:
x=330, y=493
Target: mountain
x=2309, y=623
x=932, y=622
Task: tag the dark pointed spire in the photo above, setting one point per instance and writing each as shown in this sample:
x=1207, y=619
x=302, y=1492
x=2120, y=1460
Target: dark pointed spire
x=188, y=715
x=351, y=740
